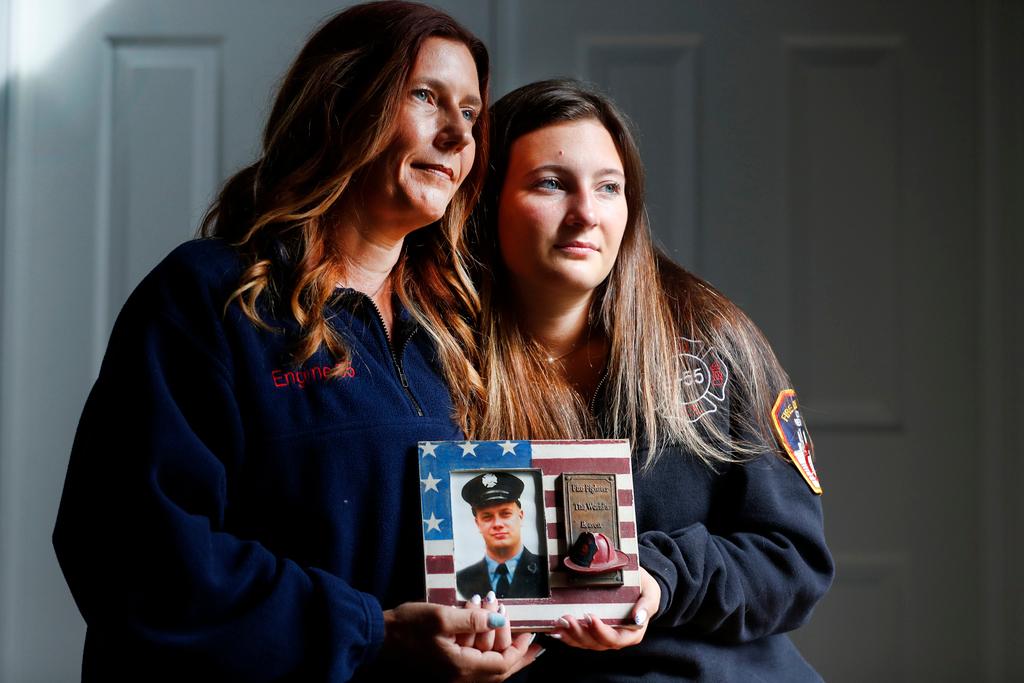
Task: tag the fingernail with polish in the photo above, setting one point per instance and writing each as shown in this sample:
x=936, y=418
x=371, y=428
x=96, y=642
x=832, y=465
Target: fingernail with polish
x=495, y=620
x=563, y=622
x=540, y=652
x=501, y=609
x=491, y=597
x=589, y=619
x=640, y=617
x=475, y=599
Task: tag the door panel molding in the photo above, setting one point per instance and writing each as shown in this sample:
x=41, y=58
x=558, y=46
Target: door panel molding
x=161, y=100
x=1001, y=135
x=6, y=505
x=844, y=169
x=505, y=43
x=632, y=67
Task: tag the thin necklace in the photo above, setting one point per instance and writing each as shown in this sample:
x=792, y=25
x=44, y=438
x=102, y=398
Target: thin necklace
x=555, y=359
x=373, y=295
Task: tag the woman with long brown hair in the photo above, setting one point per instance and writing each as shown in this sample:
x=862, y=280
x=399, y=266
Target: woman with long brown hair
x=588, y=331
x=241, y=498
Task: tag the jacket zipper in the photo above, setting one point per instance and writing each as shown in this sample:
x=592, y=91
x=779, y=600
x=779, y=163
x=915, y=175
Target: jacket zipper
x=597, y=391
x=396, y=363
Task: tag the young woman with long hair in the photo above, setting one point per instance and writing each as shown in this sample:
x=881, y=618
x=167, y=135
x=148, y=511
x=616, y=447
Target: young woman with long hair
x=241, y=498
x=588, y=331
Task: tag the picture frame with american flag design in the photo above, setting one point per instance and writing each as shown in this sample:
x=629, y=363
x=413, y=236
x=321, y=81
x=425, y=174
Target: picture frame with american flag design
x=458, y=476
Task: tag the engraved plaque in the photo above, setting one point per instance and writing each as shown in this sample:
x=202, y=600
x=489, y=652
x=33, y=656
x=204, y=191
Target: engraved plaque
x=590, y=503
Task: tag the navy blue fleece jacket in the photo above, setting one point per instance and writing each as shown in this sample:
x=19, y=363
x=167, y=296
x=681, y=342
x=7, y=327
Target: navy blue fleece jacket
x=227, y=516
x=740, y=557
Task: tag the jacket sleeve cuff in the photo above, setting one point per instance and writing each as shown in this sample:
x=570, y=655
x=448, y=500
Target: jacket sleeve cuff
x=374, y=627
x=658, y=566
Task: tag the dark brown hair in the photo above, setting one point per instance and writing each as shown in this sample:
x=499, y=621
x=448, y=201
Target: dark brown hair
x=334, y=114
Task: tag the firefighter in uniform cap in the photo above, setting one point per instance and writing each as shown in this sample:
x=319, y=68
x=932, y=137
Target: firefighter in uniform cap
x=508, y=568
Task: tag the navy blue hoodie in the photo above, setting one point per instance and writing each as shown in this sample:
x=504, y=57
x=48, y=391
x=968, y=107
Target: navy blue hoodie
x=227, y=516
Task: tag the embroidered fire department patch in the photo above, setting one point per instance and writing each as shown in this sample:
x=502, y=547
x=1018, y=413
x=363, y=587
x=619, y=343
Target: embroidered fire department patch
x=793, y=435
x=704, y=370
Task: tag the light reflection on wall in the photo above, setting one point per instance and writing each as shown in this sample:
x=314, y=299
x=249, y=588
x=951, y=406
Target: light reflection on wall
x=41, y=28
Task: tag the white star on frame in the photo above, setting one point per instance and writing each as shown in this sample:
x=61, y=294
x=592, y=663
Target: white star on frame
x=508, y=447
x=428, y=449
x=468, y=449
x=430, y=483
x=433, y=524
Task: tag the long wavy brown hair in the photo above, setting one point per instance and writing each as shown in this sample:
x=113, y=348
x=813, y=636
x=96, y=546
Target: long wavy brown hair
x=334, y=114
x=649, y=309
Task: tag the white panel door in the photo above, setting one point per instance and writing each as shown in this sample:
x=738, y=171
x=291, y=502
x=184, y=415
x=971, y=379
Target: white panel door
x=126, y=115
x=817, y=162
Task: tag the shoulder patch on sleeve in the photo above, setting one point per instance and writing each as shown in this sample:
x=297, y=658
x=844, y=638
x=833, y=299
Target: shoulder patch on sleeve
x=793, y=436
